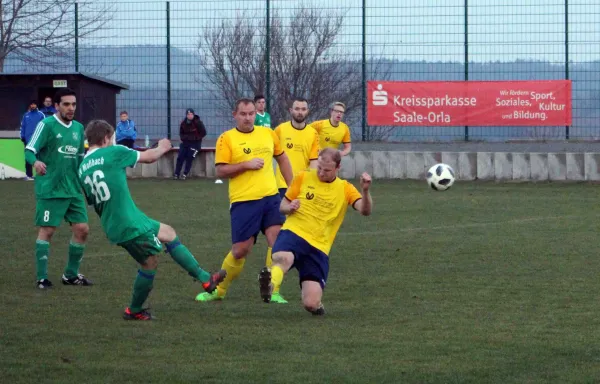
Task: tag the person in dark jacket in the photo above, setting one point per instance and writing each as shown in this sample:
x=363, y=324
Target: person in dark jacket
x=28, y=124
x=191, y=133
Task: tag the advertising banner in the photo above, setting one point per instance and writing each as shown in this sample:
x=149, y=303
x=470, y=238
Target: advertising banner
x=459, y=103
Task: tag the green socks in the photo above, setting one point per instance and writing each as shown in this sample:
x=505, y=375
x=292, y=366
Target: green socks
x=75, y=256
x=186, y=260
x=42, y=251
x=141, y=289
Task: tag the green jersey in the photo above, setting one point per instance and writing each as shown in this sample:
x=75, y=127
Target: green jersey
x=60, y=146
x=263, y=120
x=104, y=179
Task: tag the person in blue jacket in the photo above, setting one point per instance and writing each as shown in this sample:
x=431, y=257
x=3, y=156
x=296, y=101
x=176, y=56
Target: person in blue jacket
x=28, y=124
x=48, y=109
x=126, y=131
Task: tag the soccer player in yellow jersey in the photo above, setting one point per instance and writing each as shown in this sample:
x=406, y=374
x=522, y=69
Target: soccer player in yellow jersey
x=244, y=155
x=332, y=131
x=316, y=203
x=300, y=142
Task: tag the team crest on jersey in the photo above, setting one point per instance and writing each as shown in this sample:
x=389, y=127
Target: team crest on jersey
x=289, y=145
x=247, y=151
x=327, y=139
x=310, y=196
x=75, y=136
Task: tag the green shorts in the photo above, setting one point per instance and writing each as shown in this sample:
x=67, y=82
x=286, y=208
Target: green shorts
x=51, y=212
x=144, y=245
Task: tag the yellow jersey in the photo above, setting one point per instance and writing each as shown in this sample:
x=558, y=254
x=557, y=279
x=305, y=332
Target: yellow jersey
x=330, y=136
x=322, y=208
x=234, y=147
x=300, y=145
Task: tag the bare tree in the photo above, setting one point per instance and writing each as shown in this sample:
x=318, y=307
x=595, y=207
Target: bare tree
x=305, y=61
x=42, y=33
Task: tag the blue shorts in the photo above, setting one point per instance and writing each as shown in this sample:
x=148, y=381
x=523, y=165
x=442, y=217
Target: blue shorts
x=248, y=218
x=282, y=192
x=311, y=263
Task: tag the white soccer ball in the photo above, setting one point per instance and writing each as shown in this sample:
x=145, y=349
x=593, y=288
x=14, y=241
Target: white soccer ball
x=440, y=177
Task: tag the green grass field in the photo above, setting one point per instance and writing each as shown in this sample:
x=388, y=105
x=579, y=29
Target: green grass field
x=484, y=283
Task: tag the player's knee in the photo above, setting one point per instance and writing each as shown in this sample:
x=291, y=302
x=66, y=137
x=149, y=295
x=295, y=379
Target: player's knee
x=311, y=304
x=166, y=233
x=46, y=233
x=80, y=232
x=285, y=259
x=151, y=263
x=241, y=250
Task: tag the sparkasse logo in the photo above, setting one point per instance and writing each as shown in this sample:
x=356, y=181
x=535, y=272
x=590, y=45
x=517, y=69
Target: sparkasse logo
x=380, y=97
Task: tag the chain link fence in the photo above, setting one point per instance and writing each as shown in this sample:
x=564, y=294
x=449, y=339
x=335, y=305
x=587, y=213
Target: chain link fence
x=204, y=54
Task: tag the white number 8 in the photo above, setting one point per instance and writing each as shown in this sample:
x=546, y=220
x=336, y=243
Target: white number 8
x=99, y=188
x=46, y=216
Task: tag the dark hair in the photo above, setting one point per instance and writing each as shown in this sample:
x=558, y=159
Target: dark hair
x=332, y=154
x=299, y=99
x=97, y=130
x=258, y=97
x=244, y=101
x=123, y=112
x=63, y=92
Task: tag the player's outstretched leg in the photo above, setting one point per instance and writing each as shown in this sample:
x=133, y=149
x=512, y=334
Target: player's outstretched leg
x=270, y=279
x=312, y=292
x=234, y=266
x=187, y=261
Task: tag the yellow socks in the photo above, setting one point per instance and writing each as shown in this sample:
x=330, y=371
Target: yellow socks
x=276, y=278
x=233, y=267
x=269, y=258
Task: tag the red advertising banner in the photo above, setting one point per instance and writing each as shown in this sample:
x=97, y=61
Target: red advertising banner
x=458, y=103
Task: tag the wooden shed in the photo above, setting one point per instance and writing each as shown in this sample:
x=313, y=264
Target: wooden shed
x=96, y=96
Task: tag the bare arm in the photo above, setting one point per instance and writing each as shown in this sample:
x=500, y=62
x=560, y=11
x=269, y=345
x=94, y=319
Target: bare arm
x=346, y=150
x=285, y=167
x=151, y=155
x=226, y=171
x=364, y=205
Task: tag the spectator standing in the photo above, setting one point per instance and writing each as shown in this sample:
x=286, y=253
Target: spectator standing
x=263, y=119
x=191, y=133
x=48, y=109
x=30, y=120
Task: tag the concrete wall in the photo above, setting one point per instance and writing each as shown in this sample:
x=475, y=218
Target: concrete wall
x=500, y=166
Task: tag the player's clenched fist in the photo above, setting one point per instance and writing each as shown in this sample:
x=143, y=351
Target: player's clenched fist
x=294, y=205
x=165, y=144
x=365, y=181
x=255, y=164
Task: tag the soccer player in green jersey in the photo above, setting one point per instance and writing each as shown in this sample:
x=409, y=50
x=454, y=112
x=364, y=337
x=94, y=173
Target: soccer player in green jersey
x=102, y=174
x=263, y=119
x=55, y=151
